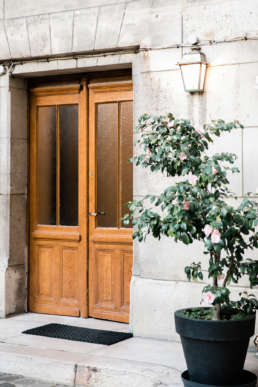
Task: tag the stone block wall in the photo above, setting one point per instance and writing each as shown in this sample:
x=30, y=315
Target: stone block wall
x=13, y=195
x=30, y=28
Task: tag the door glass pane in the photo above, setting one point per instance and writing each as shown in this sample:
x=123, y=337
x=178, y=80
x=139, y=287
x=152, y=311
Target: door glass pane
x=69, y=165
x=107, y=164
x=126, y=152
x=46, y=138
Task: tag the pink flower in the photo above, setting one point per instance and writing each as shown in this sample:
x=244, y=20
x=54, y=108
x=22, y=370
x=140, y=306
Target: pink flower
x=186, y=205
x=221, y=277
x=192, y=178
x=182, y=156
x=215, y=236
x=174, y=202
x=214, y=171
x=208, y=297
x=200, y=131
x=171, y=124
x=207, y=230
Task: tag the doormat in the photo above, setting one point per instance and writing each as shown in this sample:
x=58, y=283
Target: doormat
x=68, y=332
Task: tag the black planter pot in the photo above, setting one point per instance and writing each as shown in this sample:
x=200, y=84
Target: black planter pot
x=215, y=351
x=247, y=379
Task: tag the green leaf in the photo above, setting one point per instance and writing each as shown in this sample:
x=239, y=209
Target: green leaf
x=185, y=238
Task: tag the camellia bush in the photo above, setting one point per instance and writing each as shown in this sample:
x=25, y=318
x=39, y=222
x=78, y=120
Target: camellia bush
x=198, y=208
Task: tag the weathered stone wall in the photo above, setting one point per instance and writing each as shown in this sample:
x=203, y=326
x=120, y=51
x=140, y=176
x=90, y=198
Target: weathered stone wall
x=13, y=194
x=46, y=27
x=30, y=28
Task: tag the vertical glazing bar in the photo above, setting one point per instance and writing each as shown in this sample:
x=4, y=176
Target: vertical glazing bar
x=57, y=166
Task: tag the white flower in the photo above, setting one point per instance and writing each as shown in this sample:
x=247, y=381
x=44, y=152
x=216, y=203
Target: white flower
x=192, y=178
x=215, y=236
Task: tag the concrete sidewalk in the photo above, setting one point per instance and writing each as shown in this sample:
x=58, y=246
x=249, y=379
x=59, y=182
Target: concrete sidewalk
x=135, y=362
x=8, y=380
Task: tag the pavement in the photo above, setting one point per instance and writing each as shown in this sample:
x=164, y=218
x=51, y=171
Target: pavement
x=8, y=380
x=27, y=360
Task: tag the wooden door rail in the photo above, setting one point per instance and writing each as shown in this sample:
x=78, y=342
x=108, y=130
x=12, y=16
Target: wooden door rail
x=56, y=235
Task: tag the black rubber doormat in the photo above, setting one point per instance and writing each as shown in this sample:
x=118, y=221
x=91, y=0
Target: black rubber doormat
x=69, y=332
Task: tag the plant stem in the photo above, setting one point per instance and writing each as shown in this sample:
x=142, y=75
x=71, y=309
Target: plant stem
x=217, y=312
x=215, y=279
x=229, y=272
x=217, y=307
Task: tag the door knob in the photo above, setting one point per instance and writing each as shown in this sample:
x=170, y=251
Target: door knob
x=97, y=213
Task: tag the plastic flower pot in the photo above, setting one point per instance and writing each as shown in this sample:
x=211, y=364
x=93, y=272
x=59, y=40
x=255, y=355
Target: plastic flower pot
x=247, y=379
x=215, y=350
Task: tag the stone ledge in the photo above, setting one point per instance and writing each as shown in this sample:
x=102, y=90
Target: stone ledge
x=136, y=362
x=110, y=372
x=59, y=367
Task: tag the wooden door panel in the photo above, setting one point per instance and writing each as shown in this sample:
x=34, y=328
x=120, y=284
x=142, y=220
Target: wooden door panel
x=110, y=258
x=58, y=226
x=54, y=279
x=69, y=274
x=103, y=277
x=44, y=257
x=110, y=275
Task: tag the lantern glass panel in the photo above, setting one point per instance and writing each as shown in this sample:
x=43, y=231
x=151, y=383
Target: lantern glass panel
x=191, y=76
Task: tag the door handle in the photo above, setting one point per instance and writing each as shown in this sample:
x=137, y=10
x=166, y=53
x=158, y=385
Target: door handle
x=97, y=213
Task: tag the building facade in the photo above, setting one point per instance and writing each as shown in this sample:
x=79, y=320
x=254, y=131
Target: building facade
x=75, y=52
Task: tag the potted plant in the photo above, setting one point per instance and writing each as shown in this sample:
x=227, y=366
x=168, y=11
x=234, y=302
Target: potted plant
x=200, y=207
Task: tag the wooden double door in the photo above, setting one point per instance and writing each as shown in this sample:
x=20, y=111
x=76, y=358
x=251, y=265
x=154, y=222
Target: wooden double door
x=80, y=180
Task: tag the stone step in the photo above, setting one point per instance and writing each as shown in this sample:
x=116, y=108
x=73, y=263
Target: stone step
x=10, y=380
x=47, y=365
x=111, y=372
x=77, y=369
x=136, y=362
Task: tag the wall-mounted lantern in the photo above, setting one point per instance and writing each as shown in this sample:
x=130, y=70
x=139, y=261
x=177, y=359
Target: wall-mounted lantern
x=193, y=70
